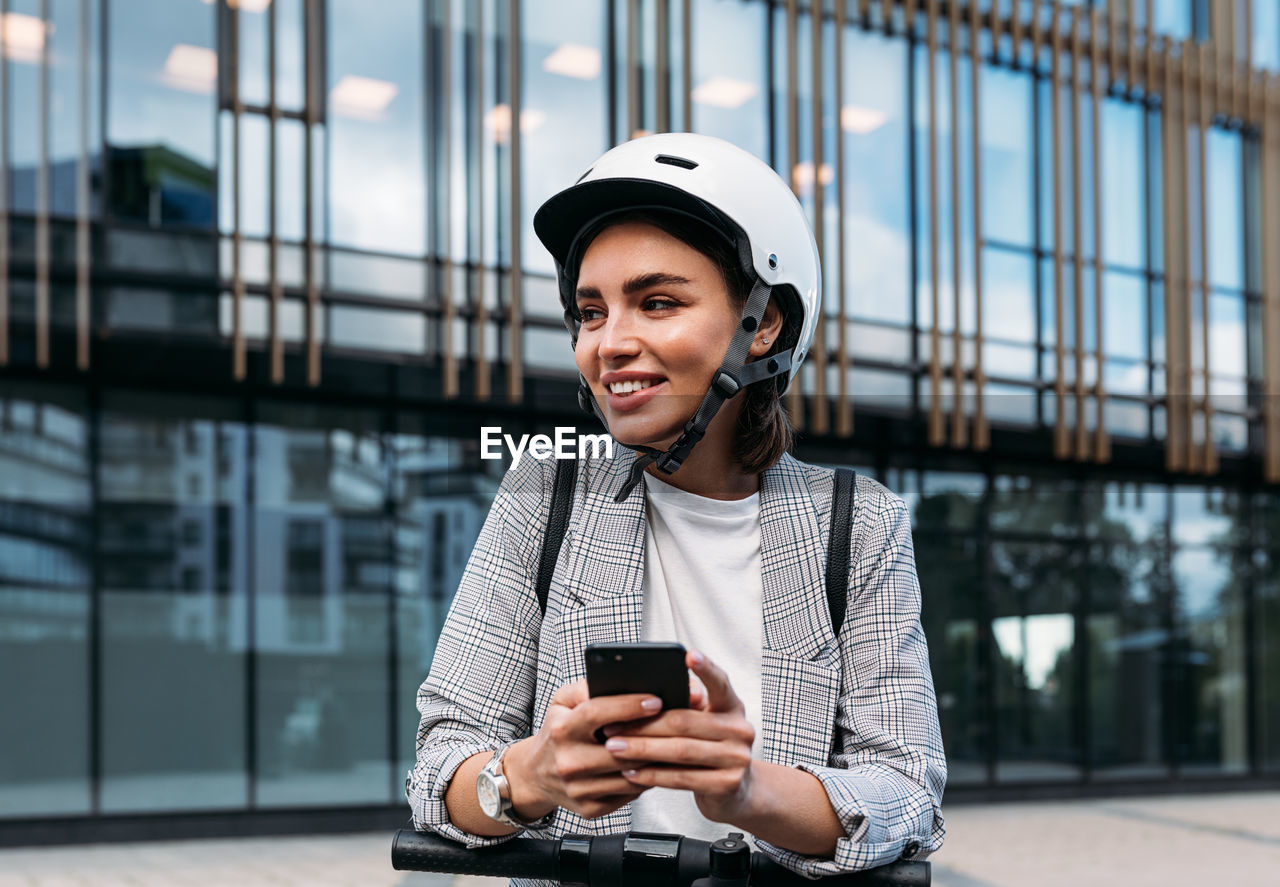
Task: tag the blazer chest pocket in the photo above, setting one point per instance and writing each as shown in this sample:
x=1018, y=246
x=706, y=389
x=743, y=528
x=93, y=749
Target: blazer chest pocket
x=798, y=708
x=599, y=622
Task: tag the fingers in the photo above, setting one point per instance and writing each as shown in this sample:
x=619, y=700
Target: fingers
x=571, y=695
x=683, y=750
x=601, y=710
x=720, y=695
x=715, y=726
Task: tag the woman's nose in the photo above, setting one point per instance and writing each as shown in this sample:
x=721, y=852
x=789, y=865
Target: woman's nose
x=619, y=337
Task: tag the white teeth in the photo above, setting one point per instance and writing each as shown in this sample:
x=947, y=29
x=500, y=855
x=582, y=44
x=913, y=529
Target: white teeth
x=628, y=387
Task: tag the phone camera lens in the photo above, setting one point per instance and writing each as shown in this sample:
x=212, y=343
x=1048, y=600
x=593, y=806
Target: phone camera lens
x=617, y=657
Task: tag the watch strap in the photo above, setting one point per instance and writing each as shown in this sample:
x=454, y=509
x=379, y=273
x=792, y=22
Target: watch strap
x=506, y=813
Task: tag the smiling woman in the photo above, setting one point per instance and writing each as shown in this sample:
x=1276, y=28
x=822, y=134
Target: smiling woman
x=690, y=284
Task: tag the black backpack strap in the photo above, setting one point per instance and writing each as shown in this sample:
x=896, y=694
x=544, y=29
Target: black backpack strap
x=838, y=547
x=557, y=524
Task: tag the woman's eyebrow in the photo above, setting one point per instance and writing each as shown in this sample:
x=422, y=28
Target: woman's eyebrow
x=638, y=284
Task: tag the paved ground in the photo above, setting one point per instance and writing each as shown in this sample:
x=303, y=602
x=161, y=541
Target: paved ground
x=1170, y=841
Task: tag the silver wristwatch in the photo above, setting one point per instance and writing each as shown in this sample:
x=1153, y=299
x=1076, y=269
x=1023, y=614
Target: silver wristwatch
x=494, y=793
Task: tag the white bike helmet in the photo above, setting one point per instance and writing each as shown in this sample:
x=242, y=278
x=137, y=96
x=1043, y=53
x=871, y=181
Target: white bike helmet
x=737, y=194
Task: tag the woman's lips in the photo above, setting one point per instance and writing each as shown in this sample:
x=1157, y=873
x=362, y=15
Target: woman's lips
x=635, y=400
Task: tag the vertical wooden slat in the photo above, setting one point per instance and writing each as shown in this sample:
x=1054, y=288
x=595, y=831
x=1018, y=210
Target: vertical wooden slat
x=794, y=400
x=515, y=299
x=273, y=238
x=82, y=196
x=936, y=430
x=43, y=109
x=4, y=185
x=1061, y=440
x=959, y=429
x=1113, y=40
x=231, y=63
x=819, y=348
x=1036, y=35
x=1130, y=46
x=313, y=30
x=1169, y=131
x=1209, y=453
x=481, y=313
x=886, y=15
x=981, y=432
x=995, y=24
x=449, y=309
x=1149, y=51
x=1184, y=294
x=1263, y=114
x=1015, y=31
x=1101, y=441
x=662, y=88
x=844, y=400
x=1248, y=35
x=1081, y=444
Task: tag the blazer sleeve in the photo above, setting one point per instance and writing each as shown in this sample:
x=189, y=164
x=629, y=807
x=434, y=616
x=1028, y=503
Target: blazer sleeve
x=480, y=690
x=888, y=768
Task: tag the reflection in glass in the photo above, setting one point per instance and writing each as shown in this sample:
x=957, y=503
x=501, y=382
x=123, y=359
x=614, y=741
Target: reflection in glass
x=322, y=575
x=1033, y=626
x=160, y=106
x=1225, y=207
x=1208, y=659
x=1267, y=636
x=876, y=200
x=563, y=106
x=1007, y=158
x=1124, y=236
x=376, y=188
x=45, y=574
x=172, y=538
x=1128, y=649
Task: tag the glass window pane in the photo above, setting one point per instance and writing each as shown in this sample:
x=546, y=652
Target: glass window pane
x=1008, y=297
x=172, y=536
x=64, y=104
x=1225, y=195
x=1124, y=236
x=1129, y=644
x=323, y=572
x=1266, y=34
x=1033, y=629
x=563, y=101
x=45, y=576
x=160, y=104
x=376, y=185
x=1209, y=661
x=1124, y=315
x=728, y=89
x=877, y=225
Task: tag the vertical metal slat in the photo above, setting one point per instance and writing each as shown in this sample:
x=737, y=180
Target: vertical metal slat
x=314, y=94
x=686, y=61
x=662, y=86
x=1101, y=441
x=1174, y=459
x=481, y=312
x=959, y=430
x=515, y=304
x=1081, y=443
x=844, y=401
x=273, y=233
x=42, y=196
x=981, y=432
x=239, y=360
x=449, y=311
x=1061, y=440
x=633, y=61
x=794, y=401
x=1184, y=295
x=1209, y=454
x=818, y=351
x=937, y=432
x=82, y=197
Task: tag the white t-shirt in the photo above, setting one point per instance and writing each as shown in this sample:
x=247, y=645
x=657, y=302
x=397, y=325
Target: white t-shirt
x=702, y=588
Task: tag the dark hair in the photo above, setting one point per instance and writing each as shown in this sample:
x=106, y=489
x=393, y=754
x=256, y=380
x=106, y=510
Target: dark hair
x=764, y=433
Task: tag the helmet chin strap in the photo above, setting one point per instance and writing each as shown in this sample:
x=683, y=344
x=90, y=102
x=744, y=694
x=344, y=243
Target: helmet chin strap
x=733, y=375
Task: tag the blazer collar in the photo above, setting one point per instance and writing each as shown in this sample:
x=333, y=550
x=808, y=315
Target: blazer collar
x=793, y=551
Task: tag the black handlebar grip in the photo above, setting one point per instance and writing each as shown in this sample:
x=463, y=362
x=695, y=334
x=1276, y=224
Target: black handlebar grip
x=897, y=874
x=518, y=858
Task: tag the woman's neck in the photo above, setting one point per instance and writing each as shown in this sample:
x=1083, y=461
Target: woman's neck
x=711, y=470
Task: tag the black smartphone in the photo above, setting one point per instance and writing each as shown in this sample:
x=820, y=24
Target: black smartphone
x=656, y=668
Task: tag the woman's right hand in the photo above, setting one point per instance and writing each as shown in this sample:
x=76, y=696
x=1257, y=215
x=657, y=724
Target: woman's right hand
x=562, y=765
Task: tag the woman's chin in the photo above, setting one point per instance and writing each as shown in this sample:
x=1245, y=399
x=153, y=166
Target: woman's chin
x=633, y=435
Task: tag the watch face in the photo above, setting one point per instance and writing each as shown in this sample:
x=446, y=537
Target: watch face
x=487, y=792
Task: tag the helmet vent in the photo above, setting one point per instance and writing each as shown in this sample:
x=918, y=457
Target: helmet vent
x=676, y=161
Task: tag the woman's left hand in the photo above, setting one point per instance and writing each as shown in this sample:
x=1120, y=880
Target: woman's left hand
x=706, y=750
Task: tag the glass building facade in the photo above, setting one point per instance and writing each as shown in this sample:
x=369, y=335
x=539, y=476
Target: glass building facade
x=267, y=266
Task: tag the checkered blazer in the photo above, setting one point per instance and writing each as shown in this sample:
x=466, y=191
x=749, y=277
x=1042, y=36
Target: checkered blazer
x=859, y=715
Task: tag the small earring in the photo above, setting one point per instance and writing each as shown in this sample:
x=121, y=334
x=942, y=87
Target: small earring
x=765, y=339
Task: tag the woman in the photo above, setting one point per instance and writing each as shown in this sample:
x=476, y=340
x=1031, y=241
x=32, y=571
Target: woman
x=691, y=286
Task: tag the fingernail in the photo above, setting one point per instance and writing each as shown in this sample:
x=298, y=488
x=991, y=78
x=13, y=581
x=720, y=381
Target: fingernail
x=651, y=704
x=616, y=745
x=630, y=774
x=611, y=730
x=697, y=658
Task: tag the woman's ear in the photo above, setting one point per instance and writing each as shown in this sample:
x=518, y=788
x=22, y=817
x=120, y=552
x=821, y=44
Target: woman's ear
x=770, y=329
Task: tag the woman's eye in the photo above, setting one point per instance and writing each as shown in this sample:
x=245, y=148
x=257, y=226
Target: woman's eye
x=659, y=302
x=590, y=313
